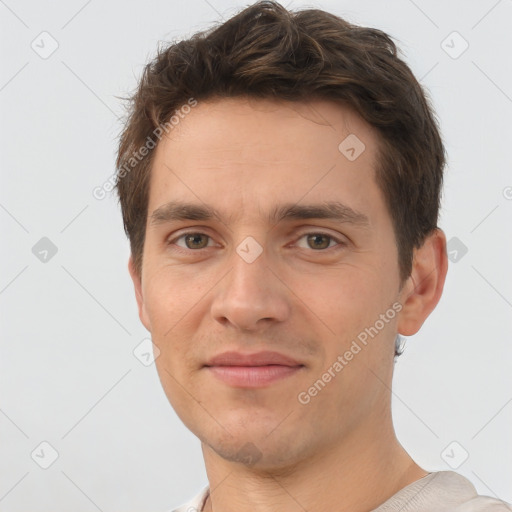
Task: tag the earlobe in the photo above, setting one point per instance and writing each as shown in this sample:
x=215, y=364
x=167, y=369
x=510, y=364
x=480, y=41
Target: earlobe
x=424, y=286
x=137, y=284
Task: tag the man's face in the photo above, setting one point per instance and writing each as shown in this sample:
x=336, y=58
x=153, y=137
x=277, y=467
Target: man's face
x=303, y=287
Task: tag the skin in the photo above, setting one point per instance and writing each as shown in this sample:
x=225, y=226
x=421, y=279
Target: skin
x=243, y=157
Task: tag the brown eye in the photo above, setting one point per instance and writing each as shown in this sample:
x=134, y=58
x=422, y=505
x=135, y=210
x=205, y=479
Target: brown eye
x=196, y=240
x=318, y=241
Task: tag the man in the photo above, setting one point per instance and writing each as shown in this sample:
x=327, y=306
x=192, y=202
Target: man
x=280, y=178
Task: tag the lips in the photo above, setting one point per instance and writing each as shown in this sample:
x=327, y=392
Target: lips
x=252, y=370
x=265, y=358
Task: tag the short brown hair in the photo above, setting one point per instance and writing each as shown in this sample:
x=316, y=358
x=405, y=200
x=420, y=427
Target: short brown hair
x=266, y=51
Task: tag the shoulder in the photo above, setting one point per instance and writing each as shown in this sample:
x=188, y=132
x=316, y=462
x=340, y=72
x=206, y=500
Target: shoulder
x=195, y=504
x=484, y=504
x=462, y=495
x=442, y=491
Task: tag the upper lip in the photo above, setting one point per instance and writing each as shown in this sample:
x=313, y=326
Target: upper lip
x=257, y=359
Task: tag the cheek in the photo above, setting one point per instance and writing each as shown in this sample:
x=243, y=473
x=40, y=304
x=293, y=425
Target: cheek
x=175, y=302
x=345, y=298
x=169, y=293
x=163, y=308
x=350, y=303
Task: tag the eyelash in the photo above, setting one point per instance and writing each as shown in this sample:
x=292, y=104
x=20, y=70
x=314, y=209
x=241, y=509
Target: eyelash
x=340, y=243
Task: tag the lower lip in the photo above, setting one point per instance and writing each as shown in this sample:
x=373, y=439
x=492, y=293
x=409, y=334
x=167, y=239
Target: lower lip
x=252, y=376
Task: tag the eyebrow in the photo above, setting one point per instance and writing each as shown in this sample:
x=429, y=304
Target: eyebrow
x=334, y=210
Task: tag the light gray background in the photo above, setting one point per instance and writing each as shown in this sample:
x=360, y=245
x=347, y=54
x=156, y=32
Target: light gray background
x=69, y=325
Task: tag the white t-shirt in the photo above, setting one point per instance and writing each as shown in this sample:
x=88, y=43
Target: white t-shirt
x=442, y=491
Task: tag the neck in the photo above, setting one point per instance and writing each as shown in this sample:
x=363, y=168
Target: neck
x=358, y=474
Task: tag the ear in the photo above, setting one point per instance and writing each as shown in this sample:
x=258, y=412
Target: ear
x=423, y=288
x=137, y=283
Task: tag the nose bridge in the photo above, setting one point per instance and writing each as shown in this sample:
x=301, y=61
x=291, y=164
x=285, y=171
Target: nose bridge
x=249, y=263
x=250, y=292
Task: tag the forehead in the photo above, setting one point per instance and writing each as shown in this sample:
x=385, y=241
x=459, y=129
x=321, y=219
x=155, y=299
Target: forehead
x=245, y=155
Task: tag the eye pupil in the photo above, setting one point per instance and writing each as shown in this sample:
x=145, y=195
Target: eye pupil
x=321, y=245
x=193, y=238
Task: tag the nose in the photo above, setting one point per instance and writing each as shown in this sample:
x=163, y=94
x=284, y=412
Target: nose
x=251, y=297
